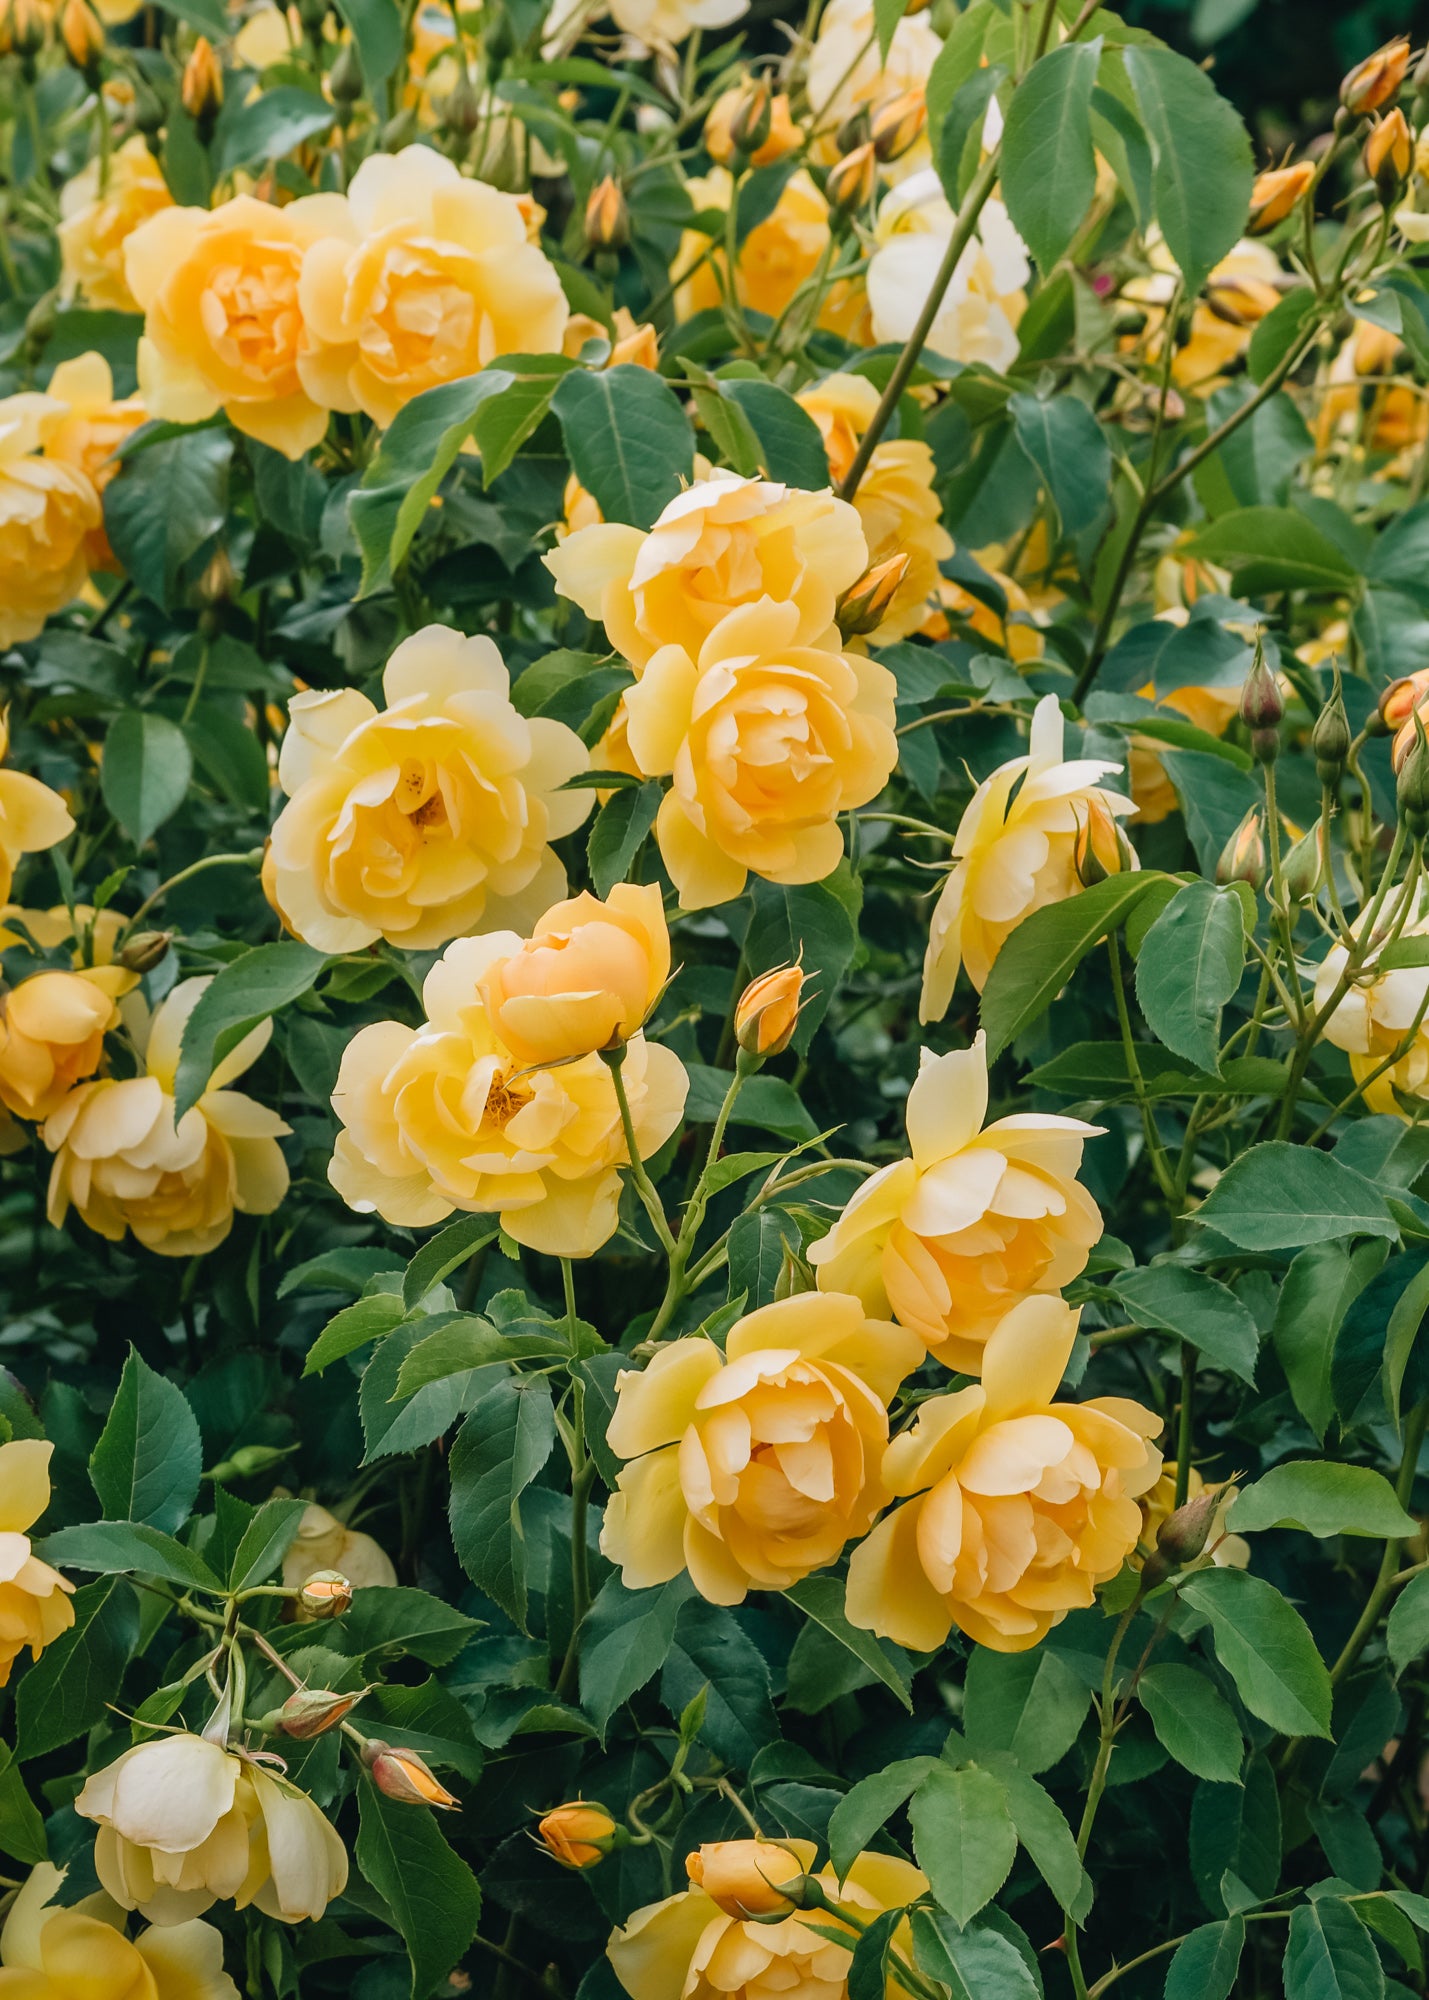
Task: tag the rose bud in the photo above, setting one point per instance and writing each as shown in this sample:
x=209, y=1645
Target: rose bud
x=145, y=950
x=201, y=91
x=1330, y=738
x=751, y=119
x=1261, y=704
x=1243, y=856
x=1183, y=1535
x=1378, y=78
x=578, y=1835
x=607, y=218
x=849, y=187
x=748, y=1878
x=326, y=1594
x=898, y=124
x=402, y=1775
x=1412, y=766
x=312, y=1712
x=1303, y=866
x=1276, y=193
x=1402, y=697
x=82, y=35
x=768, y=1011
x=1100, y=848
x=864, y=605
x=1389, y=154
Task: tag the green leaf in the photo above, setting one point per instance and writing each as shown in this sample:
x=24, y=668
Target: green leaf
x=765, y=1101
x=1329, y=1954
x=815, y=921
x=1315, y=1294
x=976, y=1963
x=388, y=1621
x=1030, y=1704
x=1407, y=1633
x=70, y=1686
x=1201, y=159
x=822, y=1599
x=1069, y=449
x=1405, y=1321
x=119, y=1547
x=229, y=755
x=1235, y=1833
x=619, y=831
x=710, y=1650
x=417, y=451
x=868, y=1968
x=265, y=1542
x=628, y=439
x=1195, y=1308
x=500, y=1448
x=22, y=1831
x=624, y=1641
x=1278, y=1196
x=428, y=1719
x=271, y=124
x=791, y=448
x=377, y=31
x=868, y=1807
x=886, y=16
x=1321, y=1498
x=1048, y=169
x=466, y=1342
x=1265, y=1646
x=1191, y=962
x=366, y=1319
x=245, y=992
x=1276, y=548
x=506, y=421
x=1043, y=1830
x=146, y=771
x=444, y=1253
x=168, y=500
x=147, y=1462
x=1046, y=948
x=1278, y=332
x=1206, y=1963
x=432, y=1894
x=963, y=1837
x=1193, y=1721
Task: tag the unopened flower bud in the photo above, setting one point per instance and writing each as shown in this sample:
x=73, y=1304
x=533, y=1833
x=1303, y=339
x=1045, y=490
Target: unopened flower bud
x=898, y=125
x=1330, y=738
x=751, y=119
x=850, y=185
x=1412, y=790
x=312, y=1712
x=345, y=79
x=1389, y=154
x=1276, y=193
x=28, y=26
x=82, y=35
x=768, y=1011
x=607, y=218
x=864, y=605
x=1262, y=705
x=748, y=1878
x=1183, y=1535
x=1243, y=856
x=461, y=108
x=402, y=1775
x=854, y=132
x=796, y=1274
x=145, y=950
x=201, y=91
x=326, y=1594
x=1099, y=848
x=580, y=1834
x=1377, y=79
x=1302, y=868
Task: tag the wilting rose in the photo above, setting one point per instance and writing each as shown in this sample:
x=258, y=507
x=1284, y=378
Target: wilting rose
x=446, y=1117
x=48, y=512
x=420, y=277
x=980, y=1217
x=184, y=1823
x=767, y=740
x=1014, y=855
x=123, y=1162
x=426, y=819
x=724, y=543
x=94, y=227
x=585, y=979
x=1015, y=1506
x=34, y=1599
x=81, y=1953
x=52, y=1029
x=753, y=1468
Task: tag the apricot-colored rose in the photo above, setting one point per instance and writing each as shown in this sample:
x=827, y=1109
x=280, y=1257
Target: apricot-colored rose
x=768, y=741
x=768, y=1011
x=52, y=1029
x=325, y=1543
x=743, y=1877
x=32, y=817
x=724, y=543
x=688, y=1948
x=48, y=511
x=427, y=818
x=1014, y=854
x=1209, y=708
x=421, y=277
x=124, y=1163
x=1016, y=1506
x=980, y=1216
x=223, y=329
x=446, y=1117
x=585, y=979
x=34, y=1599
x=783, y=135
x=94, y=227
x=577, y=1835
x=754, y=1467
x=91, y=429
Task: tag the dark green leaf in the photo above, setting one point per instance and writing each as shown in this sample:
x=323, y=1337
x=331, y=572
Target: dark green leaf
x=366, y=1319
x=1193, y=1721
x=791, y=448
x=1190, y=963
x=624, y=1641
x=444, y=1253
x=1045, y=950
x=433, y=1896
x=1202, y=169
x=146, y=771
x=70, y=1686
x=1195, y=1308
x=245, y=992
x=166, y=503
x=710, y=1650
x=1278, y=1197
x=976, y=1963
x=618, y=833
x=1329, y=1955
x=1069, y=449
x=822, y=1599
x=147, y=1462
x=867, y=1808
x=629, y=441
x=265, y=1542
x=1265, y=1646
x=1206, y=1963
x=963, y=1837
x=1048, y=168
x=119, y=1547
x=1322, y=1498
x=500, y=1448
x=1030, y=1704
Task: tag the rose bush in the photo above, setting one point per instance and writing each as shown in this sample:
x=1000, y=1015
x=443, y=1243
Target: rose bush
x=714, y=1007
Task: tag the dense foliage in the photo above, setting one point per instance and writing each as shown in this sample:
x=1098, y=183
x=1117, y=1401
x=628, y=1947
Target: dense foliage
x=715, y=1009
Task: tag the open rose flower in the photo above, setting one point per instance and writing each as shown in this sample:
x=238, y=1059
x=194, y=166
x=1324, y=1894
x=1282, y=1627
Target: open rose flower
x=724, y=543
x=585, y=979
x=767, y=741
x=48, y=1952
x=981, y=308
x=95, y=225
x=445, y=1117
x=92, y=426
x=980, y=1216
x=184, y=1823
x=428, y=818
x=124, y=1163
x=52, y=1029
x=34, y=1599
x=1382, y=1016
x=1014, y=854
x=752, y=1468
x=49, y=510
x=776, y=258
x=421, y=276
x=1015, y=1506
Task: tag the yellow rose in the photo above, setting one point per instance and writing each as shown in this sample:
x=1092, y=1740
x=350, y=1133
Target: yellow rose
x=52, y=1029
x=777, y=256
x=50, y=1953
x=845, y=72
x=34, y=1599
x=768, y=741
x=1016, y=1507
x=981, y=308
x=100, y=929
x=183, y=1823
x=687, y=1948
x=428, y=818
x=93, y=426
x=577, y=1835
x=1017, y=634
x=767, y=1012
x=48, y=511
x=1209, y=708
x=586, y=978
x=420, y=277
x=895, y=499
x=447, y=1117
x=223, y=328
x=1373, y=1018
x=744, y=1878
x=755, y=1467
x=323, y=1543
x=783, y=137
x=978, y=1218
x=723, y=543
x=32, y=817
x=635, y=342
x=94, y=227
x=121, y=1160
x=1014, y=855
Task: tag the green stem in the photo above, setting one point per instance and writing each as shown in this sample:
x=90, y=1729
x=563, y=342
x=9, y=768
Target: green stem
x=1155, y=1151
x=1183, y=1426
x=252, y=859
x=1097, y=1784
x=644, y=1186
